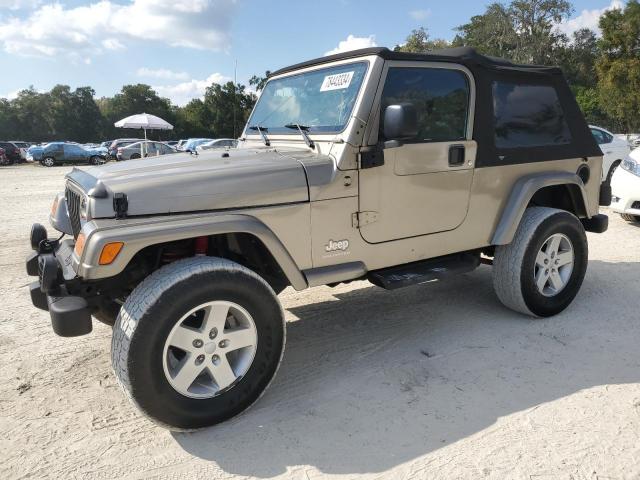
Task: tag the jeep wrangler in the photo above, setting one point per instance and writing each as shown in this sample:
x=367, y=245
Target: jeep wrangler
x=393, y=167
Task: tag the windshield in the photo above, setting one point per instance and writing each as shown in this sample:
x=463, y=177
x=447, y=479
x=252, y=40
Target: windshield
x=321, y=100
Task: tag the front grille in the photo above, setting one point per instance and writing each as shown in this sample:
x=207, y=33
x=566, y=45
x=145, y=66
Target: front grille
x=73, y=207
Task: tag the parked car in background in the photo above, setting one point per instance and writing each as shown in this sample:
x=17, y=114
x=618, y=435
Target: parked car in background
x=4, y=160
x=219, y=143
x=34, y=152
x=147, y=149
x=180, y=145
x=172, y=143
x=614, y=149
x=120, y=142
x=22, y=147
x=11, y=151
x=55, y=153
x=625, y=188
x=192, y=143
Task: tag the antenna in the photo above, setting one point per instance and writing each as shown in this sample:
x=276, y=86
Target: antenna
x=235, y=101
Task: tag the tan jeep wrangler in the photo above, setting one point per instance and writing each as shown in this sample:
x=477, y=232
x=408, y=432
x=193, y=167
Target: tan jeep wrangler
x=393, y=167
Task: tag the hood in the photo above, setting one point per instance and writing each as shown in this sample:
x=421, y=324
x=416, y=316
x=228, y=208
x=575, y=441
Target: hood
x=188, y=183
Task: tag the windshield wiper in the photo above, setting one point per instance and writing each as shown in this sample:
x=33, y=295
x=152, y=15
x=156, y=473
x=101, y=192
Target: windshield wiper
x=261, y=130
x=303, y=129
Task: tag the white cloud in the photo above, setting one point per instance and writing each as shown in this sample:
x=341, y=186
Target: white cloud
x=10, y=95
x=183, y=92
x=420, y=14
x=587, y=19
x=353, y=43
x=19, y=4
x=91, y=29
x=112, y=44
x=162, y=73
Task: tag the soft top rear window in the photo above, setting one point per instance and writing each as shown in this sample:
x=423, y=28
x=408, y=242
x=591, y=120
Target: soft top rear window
x=528, y=115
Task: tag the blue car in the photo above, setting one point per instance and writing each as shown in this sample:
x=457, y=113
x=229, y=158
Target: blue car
x=56, y=153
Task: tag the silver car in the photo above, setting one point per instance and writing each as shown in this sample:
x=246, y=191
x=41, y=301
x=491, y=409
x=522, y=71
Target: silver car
x=219, y=143
x=146, y=149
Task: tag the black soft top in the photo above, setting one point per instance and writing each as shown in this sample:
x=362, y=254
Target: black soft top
x=486, y=71
x=466, y=56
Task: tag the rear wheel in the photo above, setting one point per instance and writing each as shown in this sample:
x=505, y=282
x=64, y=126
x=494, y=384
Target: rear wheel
x=540, y=272
x=134, y=155
x=630, y=218
x=198, y=342
x=48, y=162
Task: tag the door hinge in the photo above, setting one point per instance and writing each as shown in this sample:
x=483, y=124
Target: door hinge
x=360, y=219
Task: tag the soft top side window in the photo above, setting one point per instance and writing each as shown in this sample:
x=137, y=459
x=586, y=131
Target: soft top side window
x=528, y=115
x=440, y=96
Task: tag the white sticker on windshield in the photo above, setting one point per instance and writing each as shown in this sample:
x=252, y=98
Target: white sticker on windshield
x=337, y=81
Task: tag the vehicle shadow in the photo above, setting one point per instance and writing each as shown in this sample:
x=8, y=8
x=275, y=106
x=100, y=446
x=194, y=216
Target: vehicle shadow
x=373, y=379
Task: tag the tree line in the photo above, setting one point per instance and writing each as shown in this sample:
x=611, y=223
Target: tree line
x=604, y=74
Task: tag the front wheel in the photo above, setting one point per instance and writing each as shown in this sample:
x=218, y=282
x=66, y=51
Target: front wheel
x=198, y=342
x=96, y=160
x=540, y=272
x=48, y=162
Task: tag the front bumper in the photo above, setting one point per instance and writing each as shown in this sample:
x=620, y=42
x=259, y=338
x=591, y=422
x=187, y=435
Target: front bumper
x=70, y=314
x=625, y=190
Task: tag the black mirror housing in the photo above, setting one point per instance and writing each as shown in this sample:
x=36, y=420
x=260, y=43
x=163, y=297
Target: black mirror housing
x=400, y=122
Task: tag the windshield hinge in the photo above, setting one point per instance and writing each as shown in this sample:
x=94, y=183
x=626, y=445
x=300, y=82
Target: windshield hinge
x=360, y=219
x=371, y=157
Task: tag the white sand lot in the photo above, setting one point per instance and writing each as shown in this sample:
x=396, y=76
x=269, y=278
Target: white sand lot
x=434, y=381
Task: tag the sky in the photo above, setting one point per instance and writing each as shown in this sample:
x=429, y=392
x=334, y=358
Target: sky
x=182, y=46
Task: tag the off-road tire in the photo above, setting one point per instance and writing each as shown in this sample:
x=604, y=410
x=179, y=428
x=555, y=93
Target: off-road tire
x=513, y=264
x=48, y=162
x=630, y=218
x=152, y=310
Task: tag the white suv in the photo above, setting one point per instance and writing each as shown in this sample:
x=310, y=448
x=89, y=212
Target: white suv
x=615, y=150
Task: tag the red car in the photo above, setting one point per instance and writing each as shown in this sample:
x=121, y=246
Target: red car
x=4, y=160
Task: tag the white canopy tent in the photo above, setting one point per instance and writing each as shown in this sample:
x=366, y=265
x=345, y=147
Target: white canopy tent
x=146, y=122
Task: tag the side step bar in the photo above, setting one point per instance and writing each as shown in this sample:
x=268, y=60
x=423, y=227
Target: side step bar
x=424, y=271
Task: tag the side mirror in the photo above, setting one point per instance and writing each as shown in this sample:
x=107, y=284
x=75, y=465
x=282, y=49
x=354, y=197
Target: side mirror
x=400, y=122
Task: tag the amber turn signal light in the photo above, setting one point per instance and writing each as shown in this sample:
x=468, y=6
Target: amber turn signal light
x=109, y=252
x=80, y=244
x=54, y=207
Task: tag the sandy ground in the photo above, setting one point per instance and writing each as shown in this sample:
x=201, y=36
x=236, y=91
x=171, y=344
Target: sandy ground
x=434, y=381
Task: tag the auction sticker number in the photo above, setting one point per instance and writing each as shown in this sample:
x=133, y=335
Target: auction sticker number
x=338, y=81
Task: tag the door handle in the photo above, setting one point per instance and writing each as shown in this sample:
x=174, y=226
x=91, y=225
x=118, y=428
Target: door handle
x=456, y=155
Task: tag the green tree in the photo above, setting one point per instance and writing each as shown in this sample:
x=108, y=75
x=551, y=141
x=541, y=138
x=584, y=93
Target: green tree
x=74, y=114
x=524, y=31
x=491, y=33
x=258, y=81
x=419, y=42
x=193, y=120
x=32, y=115
x=8, y=120
x=618, y=66
x=229, y=106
